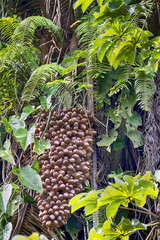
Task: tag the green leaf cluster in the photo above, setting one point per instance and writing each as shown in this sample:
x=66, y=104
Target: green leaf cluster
x=29, y=178
x=17, y=125
x=125, y=190
x=33, y=236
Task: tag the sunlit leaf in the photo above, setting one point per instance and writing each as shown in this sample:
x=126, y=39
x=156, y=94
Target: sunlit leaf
x=16, y=123
x=40, y=146
x=29, y=178
x=6, y=124
x=46, y=102
x=5, y=232
x=5, y=195
x=108, y=140
x=27, y=111
x=7, y=154
x=25, y=137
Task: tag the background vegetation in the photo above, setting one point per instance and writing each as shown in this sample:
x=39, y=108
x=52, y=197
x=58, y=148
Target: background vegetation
x=104, y=57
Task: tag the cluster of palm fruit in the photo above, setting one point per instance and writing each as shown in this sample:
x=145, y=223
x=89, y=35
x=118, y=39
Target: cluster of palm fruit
x=66, y=166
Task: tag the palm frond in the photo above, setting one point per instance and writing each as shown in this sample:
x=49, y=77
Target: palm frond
x=66, y=89
x=144, y=12
x=7, y=27
x=144, y=87
x=24, y=33
x=37, y=80
x=122, y=79
x=20, y=57
x=86, y=31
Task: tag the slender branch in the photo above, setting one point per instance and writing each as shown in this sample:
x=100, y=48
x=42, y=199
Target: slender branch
x=49, y=118
x=125, y=30
x=150, y=232
x=146, y=210
x=154, y=223
x=133, y=209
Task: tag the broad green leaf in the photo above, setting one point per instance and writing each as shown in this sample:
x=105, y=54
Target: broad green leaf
x=6, y=231
x=6, y=124
x=40, y=146
x=7, y=156
x=113, y=4
x=102, y=50
x=25, y=137
x=157, y=175
x=112, y=208
x=76, y=198
x=138, y=225
x=93, y=235
x=12, y=207
x=124, y=228
x=27, y=111
x=20, y=237
x=136, y=137
x=135, y=119
x=29, y=178
x=16, y=123
x=126, y=52
x=125, y=238
x=90, y=208
x=108, y=140
x=5, y=196
x=73, y=227
x=46, y=102
x=99, y=2
x=106, y=224
x=86, y=4
x=7, y=144
x=105, y=12
x=34, y=236
x=78, y=3
x=84, y=200
x=15, y=171
x=127, y=190
x=35, y=165
x=112, y=194
x=128, y=226
x=146, y=34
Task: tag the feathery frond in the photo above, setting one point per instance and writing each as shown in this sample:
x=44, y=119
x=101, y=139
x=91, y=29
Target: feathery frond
x=86, y=31
x=37, y=80
x=122, y=79
x=66, y=89
x=7, y=27
x=144, y=86
x=24, y=33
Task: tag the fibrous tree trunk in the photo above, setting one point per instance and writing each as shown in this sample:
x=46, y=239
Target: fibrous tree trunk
x=152, y=132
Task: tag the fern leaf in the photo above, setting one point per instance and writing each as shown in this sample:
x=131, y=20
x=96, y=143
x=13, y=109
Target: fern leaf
x=122, y=79
x=144, y=87
x=65, y=89
x=24, y=33
x=7, y=27
x=37, y=80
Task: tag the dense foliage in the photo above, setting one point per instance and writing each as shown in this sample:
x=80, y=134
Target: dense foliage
x=98, y=55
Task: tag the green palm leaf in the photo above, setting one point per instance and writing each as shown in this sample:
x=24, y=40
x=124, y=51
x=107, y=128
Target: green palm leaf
x=24, y=33
x=7, y=27
x=37, y=80
x=144, y=87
